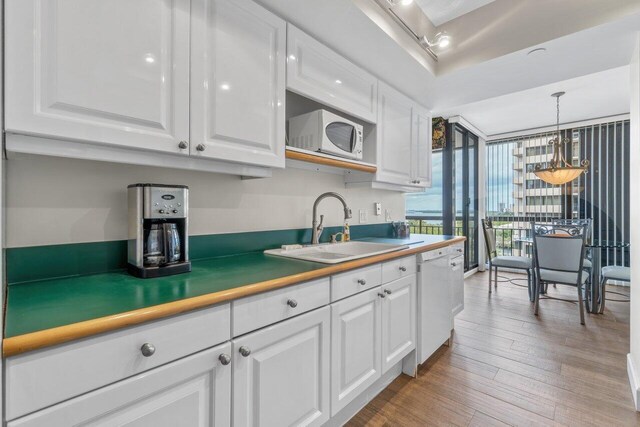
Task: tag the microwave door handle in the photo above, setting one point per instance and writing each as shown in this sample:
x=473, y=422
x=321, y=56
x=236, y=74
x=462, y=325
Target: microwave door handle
x=354, y=137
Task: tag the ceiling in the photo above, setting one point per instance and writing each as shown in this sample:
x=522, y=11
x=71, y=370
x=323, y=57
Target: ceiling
x=441, y=11
x=601, y=94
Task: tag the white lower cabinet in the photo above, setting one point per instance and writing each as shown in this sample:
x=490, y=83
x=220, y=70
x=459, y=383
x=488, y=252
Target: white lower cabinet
x=355, y=346
x=398, y=320
x=192, y=392
x=281, y=373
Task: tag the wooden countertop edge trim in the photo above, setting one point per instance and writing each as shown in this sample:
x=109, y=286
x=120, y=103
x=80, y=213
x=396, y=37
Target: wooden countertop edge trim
x=310, y=158
x=61, y=334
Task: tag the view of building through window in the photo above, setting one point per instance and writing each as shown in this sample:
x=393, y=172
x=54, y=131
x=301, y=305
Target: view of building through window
x=515, y=196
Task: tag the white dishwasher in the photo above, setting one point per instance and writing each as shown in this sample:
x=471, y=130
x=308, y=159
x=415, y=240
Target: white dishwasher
x=434, y=301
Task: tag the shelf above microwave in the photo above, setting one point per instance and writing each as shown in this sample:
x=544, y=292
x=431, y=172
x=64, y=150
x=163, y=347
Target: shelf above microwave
x=297, y=157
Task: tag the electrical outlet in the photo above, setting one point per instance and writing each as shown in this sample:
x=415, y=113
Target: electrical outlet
x=378, y=208
x=363, y=216
x=387, y=215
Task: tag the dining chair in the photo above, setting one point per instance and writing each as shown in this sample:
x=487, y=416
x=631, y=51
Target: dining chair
x=612, y=272
x=558, y=254
x=579, y=222
x=505, y=261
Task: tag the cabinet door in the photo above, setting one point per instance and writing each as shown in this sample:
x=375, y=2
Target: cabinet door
x=113, y=72
x=238, y=82
x=394, y=136
x=398, y=320
x=317, y=72
x=421, y=153
x=355, y=346
x=192, y=392
x=281, y=378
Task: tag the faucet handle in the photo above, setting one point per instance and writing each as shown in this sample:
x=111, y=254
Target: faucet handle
x=334, y=237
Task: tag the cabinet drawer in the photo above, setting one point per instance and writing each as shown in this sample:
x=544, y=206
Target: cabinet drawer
x=264, y=309
x=352, y=282
x=42, y=378
x=394, y=270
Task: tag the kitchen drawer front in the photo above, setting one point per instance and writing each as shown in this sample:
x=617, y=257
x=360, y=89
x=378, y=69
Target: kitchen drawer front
x=457, y=249
x=42, y=378
x=264, y=309
x=352, y=282
x=398, y=268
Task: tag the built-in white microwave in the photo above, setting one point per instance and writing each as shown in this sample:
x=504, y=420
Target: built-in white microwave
x=323, y=131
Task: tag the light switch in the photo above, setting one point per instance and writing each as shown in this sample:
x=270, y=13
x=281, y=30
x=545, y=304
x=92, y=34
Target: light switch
x=378, y=208
x=363, y=216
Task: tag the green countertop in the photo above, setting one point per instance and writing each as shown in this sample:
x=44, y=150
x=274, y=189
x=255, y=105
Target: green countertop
x=48, y=304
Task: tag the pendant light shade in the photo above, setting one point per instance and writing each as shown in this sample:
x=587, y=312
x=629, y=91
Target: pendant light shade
x=558, y=170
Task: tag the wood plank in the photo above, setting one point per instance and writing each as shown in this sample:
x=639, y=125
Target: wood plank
x=329, y=161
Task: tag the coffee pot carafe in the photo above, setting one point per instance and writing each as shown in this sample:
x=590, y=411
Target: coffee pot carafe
x=162, y=245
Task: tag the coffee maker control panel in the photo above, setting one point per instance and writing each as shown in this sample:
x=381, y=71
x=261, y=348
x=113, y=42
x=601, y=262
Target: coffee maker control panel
x=165, y=202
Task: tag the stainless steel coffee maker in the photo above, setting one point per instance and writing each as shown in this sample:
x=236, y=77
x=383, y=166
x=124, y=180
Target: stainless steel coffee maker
x=158, y=230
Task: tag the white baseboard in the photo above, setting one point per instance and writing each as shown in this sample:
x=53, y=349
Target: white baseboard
x=633, y=381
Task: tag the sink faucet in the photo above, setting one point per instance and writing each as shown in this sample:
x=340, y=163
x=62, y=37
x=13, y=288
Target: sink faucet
x=318, y=227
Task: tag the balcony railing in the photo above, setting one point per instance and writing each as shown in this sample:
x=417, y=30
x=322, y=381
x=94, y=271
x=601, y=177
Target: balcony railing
x=429, y=225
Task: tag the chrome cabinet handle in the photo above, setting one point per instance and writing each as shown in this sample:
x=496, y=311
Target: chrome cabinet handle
x=244, y=351
x=388, y=292
x=381, y=295
x=201, y=147
x=292, y=303
x=224, y=358
x=453, y=264
x=459, y=250
x=147, y=349
x=183, y=144
x=362, y=282
x=402, y=268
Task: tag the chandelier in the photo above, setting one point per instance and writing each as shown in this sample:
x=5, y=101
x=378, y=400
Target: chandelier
x=558, y=171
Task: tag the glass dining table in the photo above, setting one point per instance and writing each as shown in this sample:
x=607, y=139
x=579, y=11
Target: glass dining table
x=594, y=254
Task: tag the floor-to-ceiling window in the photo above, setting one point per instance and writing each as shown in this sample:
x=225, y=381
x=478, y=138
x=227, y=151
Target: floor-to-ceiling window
x=450, y=206
x=515, y=196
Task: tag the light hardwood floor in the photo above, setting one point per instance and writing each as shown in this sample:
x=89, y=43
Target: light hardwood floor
x=509, y=367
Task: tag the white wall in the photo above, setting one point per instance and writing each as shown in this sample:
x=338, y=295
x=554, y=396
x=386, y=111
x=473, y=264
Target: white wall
x=634, y=357
x=54, y=200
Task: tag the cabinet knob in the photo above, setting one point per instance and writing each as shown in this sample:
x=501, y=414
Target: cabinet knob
x=362, y=282
x=224, y=358
x=388, y=292
x=244, y=351
x=201, y=147
x=147, y=349
x=183, y=145
x=381, y=295
x=459, y=250
x=453, y=264
x=292, y=303
x=402, y=268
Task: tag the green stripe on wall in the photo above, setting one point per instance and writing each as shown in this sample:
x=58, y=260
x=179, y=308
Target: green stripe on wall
x=78, y=259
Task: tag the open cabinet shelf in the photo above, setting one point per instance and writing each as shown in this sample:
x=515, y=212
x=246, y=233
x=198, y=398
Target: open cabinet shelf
x=300, y=155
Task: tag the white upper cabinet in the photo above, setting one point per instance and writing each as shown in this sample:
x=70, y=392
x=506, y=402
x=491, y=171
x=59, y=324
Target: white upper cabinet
x=394, y=136
x=281, y=373
x=238, y=53
x=113, y=72
x=421, y=150
x=319, y=73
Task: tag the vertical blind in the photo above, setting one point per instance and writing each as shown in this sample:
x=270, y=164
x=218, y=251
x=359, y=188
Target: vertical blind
x=515, y=196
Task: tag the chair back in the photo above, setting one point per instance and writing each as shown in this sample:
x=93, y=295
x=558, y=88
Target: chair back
x=558, y=247
x=577, y=222
x=489, y=238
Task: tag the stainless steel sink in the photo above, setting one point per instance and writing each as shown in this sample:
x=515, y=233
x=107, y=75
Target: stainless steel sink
x=334, y=253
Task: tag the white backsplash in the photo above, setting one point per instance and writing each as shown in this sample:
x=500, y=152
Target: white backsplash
x=54, y=200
